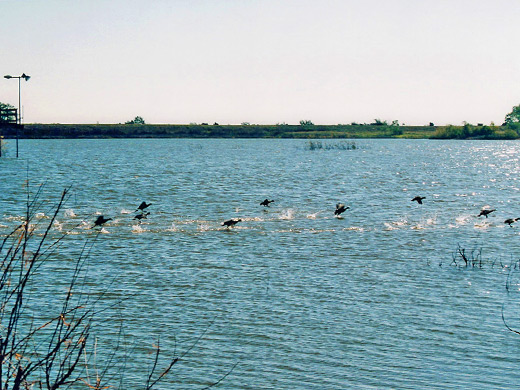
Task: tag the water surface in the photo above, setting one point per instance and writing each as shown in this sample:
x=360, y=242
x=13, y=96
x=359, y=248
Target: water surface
x=299, y=298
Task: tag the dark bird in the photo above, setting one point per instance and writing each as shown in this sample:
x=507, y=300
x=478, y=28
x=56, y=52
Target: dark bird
x=142, y=216
x=510, y=221
x=485, y=212
x=100, y=221
x=418, y=199
x=266, y=202
x=340, y=208
x=231, y=222
x=142, y=206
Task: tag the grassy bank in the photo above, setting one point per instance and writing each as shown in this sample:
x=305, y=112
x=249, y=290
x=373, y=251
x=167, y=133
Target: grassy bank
x=217, y=131
x=257, y=131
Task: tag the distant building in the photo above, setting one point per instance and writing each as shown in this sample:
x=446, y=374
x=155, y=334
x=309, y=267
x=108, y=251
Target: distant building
x=8, y=116
x=9, y=126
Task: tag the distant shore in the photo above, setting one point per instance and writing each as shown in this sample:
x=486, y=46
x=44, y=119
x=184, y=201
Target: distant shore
x=77, y=131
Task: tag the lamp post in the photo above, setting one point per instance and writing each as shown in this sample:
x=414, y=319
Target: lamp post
x=26, y=78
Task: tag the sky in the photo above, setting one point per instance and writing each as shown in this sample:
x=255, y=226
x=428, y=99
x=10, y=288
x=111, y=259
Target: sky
x=262, y=61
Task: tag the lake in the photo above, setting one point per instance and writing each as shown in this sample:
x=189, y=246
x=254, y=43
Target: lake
x=294, y=296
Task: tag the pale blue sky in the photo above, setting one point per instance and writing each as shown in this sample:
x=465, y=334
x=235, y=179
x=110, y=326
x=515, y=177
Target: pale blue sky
x=262, y=61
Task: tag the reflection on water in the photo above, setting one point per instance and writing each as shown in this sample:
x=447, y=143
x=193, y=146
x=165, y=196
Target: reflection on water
x=300, y=298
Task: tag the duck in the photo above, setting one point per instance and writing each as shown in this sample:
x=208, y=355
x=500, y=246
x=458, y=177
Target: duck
x=231, y=222
x=485, y=212
x=510, y=221
x=142, y=206
x=266, y=202
x=100, y=221
x=418, y=199
x=141, y=216
x=340, y=208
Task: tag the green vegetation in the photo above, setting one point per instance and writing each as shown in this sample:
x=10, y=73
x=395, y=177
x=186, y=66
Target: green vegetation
x=342, y=145
x=137, y=128
x=136, y=121
x=514, y=116
x=469, y=131
x=205, y=130
x=261, y=131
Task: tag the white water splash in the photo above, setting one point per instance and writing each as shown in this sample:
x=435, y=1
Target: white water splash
x=463, y=219
x=57, y=225
x=255, y=219
x=69, y=213
x=173, y=228
x=389, y=226
x=203, y=227
x=401, y=222
x=482, y=224
x=431, y=221
x=315, y=231
x=314, y=215
x=294, y=230
x=84, y=225
x=138, y=229
x=397, y=224
x=287, y=214
x=354, y=228
x=15, y=218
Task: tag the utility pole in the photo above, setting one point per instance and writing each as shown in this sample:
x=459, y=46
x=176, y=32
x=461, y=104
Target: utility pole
x=19, y=124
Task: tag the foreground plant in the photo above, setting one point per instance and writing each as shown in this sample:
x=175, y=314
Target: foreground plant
x=50, y=351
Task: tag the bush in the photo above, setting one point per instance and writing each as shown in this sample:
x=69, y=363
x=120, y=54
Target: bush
x=465, y=132
x=379, y=122
x=514, y=116
x=136, y=121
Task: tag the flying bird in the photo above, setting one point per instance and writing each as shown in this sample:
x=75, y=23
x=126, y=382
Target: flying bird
x=266, y=202
x=141, y=216
x=100, y=221
x=142, y=206
x=418, y=199
x=231, y=222
x=340, y=208
x=510, y=221
x=485, y=212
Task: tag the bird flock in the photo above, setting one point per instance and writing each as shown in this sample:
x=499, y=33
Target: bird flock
x=101, y=220
x=340, y=209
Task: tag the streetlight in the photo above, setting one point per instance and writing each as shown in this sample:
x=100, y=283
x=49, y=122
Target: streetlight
x=26, y=78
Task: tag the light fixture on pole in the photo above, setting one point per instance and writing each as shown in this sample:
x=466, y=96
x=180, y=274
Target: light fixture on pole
x=26, y=78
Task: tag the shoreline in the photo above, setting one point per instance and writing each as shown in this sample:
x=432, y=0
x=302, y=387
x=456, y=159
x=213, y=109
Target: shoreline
x=352, y=131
